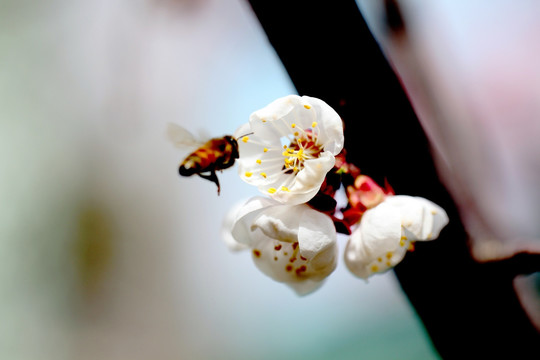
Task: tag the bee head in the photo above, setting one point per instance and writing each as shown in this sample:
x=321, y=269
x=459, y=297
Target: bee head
x=231, y=140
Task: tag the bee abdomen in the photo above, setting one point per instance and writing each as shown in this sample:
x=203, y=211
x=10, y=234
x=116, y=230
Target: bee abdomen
x=189, y=167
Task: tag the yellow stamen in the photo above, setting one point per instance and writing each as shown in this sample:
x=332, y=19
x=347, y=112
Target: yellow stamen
x=284, y=188
x=272, y=190
x=265, y=149
x=307, y=106
x=314, y=124
x=245, y=139
x=258, y=161
x=374, y=268
x=248, y=174
x=284, y=146
x=263, y=174
x=293, y=125
x=403, y=238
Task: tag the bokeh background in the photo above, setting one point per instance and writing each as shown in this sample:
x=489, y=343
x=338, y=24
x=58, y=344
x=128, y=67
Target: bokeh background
x=105, y=253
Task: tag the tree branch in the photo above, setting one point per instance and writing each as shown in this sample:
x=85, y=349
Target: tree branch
x=469, y=309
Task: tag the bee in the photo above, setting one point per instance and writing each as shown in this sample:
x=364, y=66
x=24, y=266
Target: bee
x=213, y=155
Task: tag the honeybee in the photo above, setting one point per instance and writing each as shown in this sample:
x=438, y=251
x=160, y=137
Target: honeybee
x=209, y=157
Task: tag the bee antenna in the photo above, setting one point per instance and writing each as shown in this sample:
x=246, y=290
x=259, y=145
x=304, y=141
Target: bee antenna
x=251, y=133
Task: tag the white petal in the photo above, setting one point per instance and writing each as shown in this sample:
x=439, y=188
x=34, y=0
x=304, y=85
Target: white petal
x=316, y=235
x=279, y=222
x=381, y=229
x=308, y=181
x=305, y=287
x=439, y=219
x=227, y=226
x=330, y=125
x=421, y=217
x=317, y=240
x=294, y=245
x=241, y=229
x=382, y=238
x=254, y=161
x=375, y=245
x=274, y=120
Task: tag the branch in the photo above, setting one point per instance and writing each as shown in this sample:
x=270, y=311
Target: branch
x=468, y=308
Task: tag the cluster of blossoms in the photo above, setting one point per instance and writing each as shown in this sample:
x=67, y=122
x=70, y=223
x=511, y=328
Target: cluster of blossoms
x=293, y=152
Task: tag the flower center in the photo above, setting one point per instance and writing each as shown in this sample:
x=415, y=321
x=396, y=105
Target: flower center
x=304, y=146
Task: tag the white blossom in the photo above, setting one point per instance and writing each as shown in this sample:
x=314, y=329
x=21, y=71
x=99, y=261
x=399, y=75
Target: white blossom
x=387, y=231
x=287, y=147
x=292, y=244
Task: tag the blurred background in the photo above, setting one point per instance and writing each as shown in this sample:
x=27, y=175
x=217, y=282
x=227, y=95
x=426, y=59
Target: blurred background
x=105, y=253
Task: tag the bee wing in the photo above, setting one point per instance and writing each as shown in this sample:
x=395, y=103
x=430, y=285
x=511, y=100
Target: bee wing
x=182, y=138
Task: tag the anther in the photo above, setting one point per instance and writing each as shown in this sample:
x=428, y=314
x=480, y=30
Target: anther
x=289, y=267
x=245, y=139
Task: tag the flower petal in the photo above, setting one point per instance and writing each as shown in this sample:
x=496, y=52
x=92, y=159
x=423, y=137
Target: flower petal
x=293, y=244
x=317, y=235
x=307, y=182
x=331, y=129
x=421, y=217
x=227, y=227
x=279, y=222
x=386, y=232
x=241, y=229
x=305, y=287
x=375, y=245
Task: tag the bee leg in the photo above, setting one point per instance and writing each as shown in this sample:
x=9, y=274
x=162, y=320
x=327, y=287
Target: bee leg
x=213, y=178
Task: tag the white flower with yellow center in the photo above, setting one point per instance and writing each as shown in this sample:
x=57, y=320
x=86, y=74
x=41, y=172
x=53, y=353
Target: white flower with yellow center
x=287, y=147
x=387, y=231
x=292, y=244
